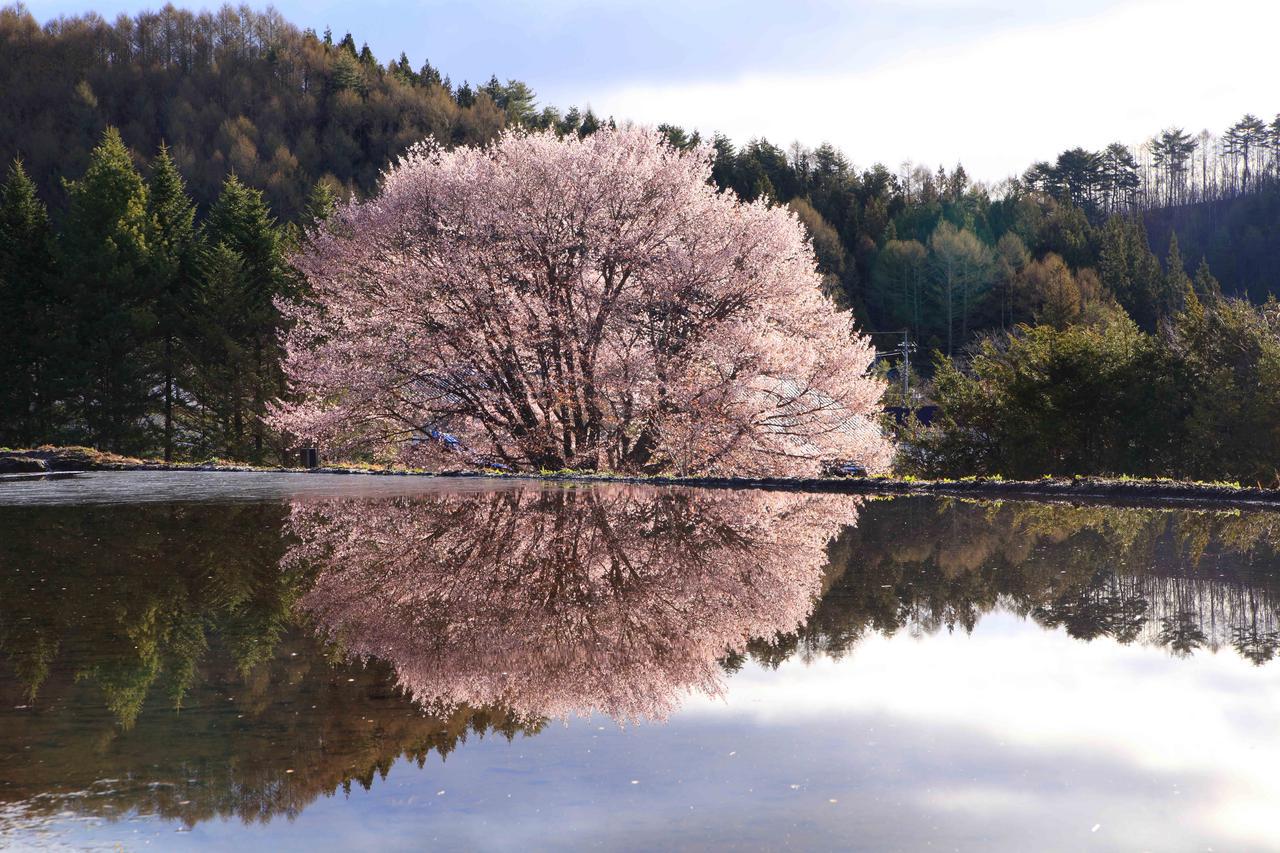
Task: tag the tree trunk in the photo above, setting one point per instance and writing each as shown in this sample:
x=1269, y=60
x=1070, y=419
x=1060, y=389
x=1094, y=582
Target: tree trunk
x=168, y=399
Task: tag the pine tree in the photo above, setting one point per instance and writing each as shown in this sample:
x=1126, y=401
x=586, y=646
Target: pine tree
x=1148, y=280
x=241, y=222
x=1113, y=260
x=222, y=368
x=106, y=283
x=1206, y=286
x=27, y=305
x=1177, y=284
x=173, y=253
x=1132, y=273
x=320, y=205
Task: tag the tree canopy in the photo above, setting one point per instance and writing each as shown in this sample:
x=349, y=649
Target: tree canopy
x=572, y=302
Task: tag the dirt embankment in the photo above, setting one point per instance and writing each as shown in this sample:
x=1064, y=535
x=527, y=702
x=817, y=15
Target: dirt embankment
x=49, y=458
x=63, y=459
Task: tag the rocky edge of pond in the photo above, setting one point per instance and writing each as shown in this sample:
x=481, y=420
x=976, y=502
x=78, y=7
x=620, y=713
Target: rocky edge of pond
x=47, y=461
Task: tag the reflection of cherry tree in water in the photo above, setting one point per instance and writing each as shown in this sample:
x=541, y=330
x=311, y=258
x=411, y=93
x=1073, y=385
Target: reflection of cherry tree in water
x=552, y=603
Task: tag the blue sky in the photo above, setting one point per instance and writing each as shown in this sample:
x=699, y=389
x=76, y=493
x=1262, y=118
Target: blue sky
x=993, y=83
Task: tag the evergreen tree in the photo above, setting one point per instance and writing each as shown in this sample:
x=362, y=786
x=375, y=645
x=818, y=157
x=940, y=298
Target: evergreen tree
x=106, y=354
x=1132, y=273
x=1177, y=284
x=27, y=308
x=217, y=351
x=518, y=102
x=1206, y=286
x=240, y=222
x=321, y=202
x=173, y=253
x=429, y=75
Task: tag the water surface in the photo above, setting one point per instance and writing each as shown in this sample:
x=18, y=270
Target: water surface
x=301, y=662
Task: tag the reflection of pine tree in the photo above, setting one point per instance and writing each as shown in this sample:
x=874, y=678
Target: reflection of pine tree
x=1182, y=633
x=1184, y=579
x=1258, y=639
x=127, y=596
x=1129, y=613
x=1100, y=609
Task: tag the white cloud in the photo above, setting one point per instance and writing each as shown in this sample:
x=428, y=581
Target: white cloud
x=999, y=102
x=1206, y=721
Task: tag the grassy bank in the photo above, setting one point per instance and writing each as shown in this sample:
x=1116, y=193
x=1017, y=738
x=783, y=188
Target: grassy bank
x=1121, y=489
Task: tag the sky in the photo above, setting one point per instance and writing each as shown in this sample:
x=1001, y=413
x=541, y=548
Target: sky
x=993, y=84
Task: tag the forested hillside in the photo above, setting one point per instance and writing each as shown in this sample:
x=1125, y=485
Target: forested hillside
x=163, y=166
x=1238, y=236
x=231, y=91
x=243, y=92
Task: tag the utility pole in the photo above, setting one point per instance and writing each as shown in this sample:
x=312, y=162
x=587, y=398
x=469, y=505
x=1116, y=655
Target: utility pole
x=904, y=350
x=906, y=369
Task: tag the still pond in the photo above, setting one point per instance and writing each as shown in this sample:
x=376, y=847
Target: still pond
x=309, y=662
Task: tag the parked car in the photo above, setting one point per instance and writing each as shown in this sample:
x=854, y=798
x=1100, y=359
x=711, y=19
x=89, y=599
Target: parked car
x=844, y=469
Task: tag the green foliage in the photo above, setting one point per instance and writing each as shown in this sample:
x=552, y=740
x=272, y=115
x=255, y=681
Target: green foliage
x=229, y=90
x=144, y=329
x=1200, y=400
x=175, y=247
x=827, y=246
x=238, y=358
x=1082, y=399
x=898, y=283
x=962, y=274
x=106, y=355
x=27, y=304
x=1131, y=272
x=1228, y=366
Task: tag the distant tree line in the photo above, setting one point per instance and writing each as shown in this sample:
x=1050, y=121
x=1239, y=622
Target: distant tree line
x=1198, y=398
x=1066, y=346
x=943, y=257
x=1172, y=168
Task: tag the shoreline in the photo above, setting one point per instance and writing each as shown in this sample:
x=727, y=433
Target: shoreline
x=63, y=462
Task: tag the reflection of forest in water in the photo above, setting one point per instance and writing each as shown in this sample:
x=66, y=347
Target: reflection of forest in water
x=245, y=659
x=1182, y=579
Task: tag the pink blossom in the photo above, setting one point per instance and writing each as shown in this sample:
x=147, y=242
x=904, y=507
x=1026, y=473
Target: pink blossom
x=616, y=599
x=592, y=303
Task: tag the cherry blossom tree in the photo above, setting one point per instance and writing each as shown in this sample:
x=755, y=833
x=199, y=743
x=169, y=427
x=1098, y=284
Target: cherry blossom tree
x=588, y=303
x=615, y=599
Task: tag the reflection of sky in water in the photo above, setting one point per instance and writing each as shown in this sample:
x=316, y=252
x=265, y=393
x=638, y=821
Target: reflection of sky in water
x=1009, y=738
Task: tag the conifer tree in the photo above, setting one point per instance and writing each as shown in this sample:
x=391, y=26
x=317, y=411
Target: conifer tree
x=1206, y=286
x=241, y=222
x=26, y=306
x=220, y=371
x=1177, y=284
x=1132, y=273
x=107, y=354
x=320, y=205
x=173, y=253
